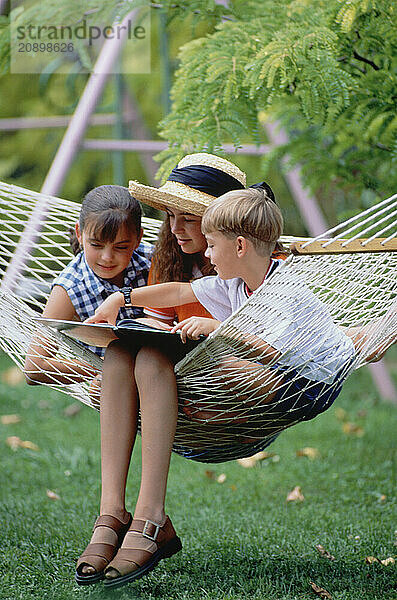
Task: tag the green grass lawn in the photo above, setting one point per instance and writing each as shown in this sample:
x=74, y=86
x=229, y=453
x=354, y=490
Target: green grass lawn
x=241, y=538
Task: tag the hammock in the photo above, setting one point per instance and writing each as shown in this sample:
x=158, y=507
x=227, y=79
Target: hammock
x=226, y=396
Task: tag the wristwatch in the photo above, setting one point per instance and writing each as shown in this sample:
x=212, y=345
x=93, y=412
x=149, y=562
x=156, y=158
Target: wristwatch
x=126, y=291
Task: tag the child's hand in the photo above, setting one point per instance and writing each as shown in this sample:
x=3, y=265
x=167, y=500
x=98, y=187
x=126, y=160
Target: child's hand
x=193, y=327
x=108, y=311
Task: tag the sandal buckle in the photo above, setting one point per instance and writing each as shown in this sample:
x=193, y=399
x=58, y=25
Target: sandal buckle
x=147, y=535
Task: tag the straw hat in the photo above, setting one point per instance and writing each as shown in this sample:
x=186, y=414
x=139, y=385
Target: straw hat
x=181, y=196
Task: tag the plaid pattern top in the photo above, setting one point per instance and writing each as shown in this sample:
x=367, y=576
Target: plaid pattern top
x=87, y=291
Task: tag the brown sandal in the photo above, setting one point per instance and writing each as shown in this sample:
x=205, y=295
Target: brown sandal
x=134, y=562
x=98, y=555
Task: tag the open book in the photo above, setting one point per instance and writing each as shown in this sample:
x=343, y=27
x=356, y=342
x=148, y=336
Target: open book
x=133, y=333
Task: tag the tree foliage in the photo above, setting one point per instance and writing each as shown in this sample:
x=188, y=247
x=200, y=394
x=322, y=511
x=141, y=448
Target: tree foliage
x=326, y=70
x=26, y=155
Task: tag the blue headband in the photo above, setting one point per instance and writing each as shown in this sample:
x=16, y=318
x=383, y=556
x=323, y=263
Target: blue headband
x=266, y=188
x=205, y=179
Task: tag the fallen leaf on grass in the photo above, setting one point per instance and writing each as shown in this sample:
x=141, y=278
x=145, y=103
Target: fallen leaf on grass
x=370, y=560
x=388, y=561
x=247, y=462
x=324, y=552
x=250, y=461
x=72, y=410
x=29, y=445
x=15, y=442
x=52, y=495
x=352, y=429
x=262, y=455
x=321, y=592
x=311, y=453
x=295, y=495
x=212, y=475
x=12, y=376
x=10, y=419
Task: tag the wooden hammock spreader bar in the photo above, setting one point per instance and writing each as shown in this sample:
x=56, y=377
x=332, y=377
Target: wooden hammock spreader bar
x=344, y=246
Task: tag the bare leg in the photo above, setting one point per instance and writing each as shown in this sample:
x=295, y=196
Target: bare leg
x=159, y=409
x=119, y=414
x=158, y=398
x=118, y=431
x=260, y=387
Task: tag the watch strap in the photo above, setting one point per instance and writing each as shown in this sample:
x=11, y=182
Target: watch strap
x=126, y=291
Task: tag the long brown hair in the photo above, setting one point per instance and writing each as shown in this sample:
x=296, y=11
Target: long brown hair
x=170, y=263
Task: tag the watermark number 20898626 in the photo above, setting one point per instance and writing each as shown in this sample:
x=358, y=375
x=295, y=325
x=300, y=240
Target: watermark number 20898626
x=45, y=47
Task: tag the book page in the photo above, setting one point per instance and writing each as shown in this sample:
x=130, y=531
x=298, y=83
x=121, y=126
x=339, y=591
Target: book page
x=93, y=334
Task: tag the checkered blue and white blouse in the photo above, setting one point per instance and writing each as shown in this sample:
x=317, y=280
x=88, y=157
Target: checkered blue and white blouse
x=87, y=291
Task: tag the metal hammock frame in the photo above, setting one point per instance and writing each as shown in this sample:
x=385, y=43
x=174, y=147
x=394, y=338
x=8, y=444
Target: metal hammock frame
x=228, y=415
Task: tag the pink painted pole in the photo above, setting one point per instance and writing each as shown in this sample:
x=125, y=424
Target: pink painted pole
x=86, y=106
x=307, y=204
x=383, y=381
x=17, y=123
x=152, y=146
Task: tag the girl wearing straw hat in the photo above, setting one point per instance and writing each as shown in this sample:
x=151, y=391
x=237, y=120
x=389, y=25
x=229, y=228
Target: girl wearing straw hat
x=122, y=548
x=179, y=253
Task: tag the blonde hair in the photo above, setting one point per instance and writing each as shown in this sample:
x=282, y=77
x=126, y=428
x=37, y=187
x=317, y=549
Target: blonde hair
x=249, y=213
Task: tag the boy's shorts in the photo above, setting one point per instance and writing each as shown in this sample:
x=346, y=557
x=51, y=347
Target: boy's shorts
x=297, y=399
x=301, y=399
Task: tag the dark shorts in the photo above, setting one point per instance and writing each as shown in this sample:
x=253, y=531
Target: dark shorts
x=301, y=399
x=298, y=399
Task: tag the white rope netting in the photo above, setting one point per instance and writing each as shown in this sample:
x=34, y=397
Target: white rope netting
x=325, y=315
x=225, y=390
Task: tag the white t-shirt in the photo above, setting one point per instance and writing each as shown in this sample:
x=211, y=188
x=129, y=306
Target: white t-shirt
x=288, y=316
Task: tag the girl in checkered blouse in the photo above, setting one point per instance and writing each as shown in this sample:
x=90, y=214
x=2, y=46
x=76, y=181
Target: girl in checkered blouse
x=109, y=255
